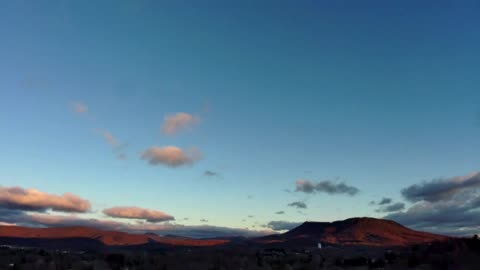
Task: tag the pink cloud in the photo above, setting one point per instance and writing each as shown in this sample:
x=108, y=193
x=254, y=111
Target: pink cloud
x=131, y=212
x=108, y=137
x=80, y=108
x=34, y=200
x=171, y=156
x=178, y=122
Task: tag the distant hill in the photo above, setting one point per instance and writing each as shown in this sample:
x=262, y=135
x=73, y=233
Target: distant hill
x=107, y=238
x=353, y=231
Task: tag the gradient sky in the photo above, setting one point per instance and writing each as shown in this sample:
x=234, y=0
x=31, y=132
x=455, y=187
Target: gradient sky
x=374, y=95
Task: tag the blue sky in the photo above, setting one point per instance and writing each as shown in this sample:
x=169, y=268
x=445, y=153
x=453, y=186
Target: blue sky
x=374, y=95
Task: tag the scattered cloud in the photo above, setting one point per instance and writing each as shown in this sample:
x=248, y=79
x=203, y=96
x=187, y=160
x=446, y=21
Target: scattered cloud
x=79, y=107
x=448, y=206
x=209, y=173
x=391, y=208
x=282, y=225
x=131, y=212
x=329, y=187
x=108, y=137
x=203, y=220
x=35, y=200
x=442, y=188
x=251, y=216
x=280, y=212
x=171, y=156
x=300, y=205
x=178, y=122
x=383, y=201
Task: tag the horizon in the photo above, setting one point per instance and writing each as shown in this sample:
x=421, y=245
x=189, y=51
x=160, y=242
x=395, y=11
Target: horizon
x=222, y=118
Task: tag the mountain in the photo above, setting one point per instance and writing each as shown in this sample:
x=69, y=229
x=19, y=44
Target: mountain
x=106, y=238
x=353, y=231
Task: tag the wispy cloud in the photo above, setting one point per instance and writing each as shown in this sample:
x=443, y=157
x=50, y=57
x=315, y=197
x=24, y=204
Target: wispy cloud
x=282, y=225
x=209, y=173
x=108, y=137
x=383, y=201
x=180, y=121
x=300, y=205
x=79, y=107
x=328, y=187
x=391, y=208
x=171, y=156
x=131, y=212
x=280, y=212
x=35, y=200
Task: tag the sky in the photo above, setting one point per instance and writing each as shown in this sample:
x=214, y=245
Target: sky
x=239, y=117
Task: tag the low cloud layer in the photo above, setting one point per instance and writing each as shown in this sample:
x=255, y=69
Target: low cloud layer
x=448, y=206
x=300, y=205
x=178, y=122
x=442, y=188
x=282, y=225
x=131, y=212
x=171, y=156
x=35, y=200
x=329, y=187
x=48, y=220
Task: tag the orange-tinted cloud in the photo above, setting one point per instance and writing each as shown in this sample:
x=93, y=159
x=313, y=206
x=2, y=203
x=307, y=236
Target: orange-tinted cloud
x=34, y=200
x=132, y=212
x=108, y=137
x=171, y=156
x=178, y=122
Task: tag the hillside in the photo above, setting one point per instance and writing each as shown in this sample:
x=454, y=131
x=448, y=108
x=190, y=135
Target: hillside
x=108, y=238
x=353, y=231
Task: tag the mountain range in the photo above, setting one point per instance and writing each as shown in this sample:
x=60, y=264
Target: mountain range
x=354, y=231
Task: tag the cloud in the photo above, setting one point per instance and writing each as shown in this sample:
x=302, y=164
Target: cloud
x=34, y=200
x=282, y=225
x=209, y=173
x=203, y=220
x=79, y=108
x=171, y=156
x=108, y=137
x=448, y=206
x=180, y=121
x=328, y=187
x=301, y=205
x=48, y=220
x=280, y=212
x=385, y=201
x=391, y=208
x=131, y=212
x=442, y=188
